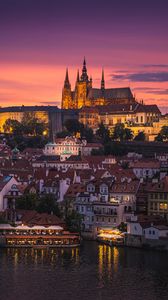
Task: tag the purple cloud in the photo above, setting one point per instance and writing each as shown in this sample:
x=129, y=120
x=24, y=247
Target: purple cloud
x=143, y=77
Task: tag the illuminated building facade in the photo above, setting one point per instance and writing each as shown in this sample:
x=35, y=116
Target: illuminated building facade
x=85, y=95
x=158, y=198
x=51, y=115
x=37, y=236
x=136, y=116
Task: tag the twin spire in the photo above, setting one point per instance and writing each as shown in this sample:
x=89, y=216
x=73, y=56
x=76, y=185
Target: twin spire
x=102, y=81
x=84, y=77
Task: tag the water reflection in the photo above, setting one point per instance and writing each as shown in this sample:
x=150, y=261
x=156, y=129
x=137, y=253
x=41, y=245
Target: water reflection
x=41, y=256
x=108, y=261
x=90, y=272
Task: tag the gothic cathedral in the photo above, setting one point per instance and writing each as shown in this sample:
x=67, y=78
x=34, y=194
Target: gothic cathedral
x=85, y=95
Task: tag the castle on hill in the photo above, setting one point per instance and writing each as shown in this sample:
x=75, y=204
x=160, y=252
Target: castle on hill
x=85, y=95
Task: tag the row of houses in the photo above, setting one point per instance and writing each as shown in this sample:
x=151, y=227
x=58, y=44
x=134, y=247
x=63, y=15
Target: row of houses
x=101, y=189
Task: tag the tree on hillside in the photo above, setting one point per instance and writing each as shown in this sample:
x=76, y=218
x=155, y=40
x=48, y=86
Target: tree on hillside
x=74, y=221
x=87, y=133
x=30, y=125
x=47, y=204
x=114, y=149
x=121, y=133
x=27, y=201
x=73, y=126
x=42, y=204
x=140, y=136
x=103, y=133
x=163, y=135
x=13, y=126
x=159, y=138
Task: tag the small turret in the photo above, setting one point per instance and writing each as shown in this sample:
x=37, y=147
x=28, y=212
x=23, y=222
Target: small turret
x=102, y=81
x=91, y=81
x=77, y=78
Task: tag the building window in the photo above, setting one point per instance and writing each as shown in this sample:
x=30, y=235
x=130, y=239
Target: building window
x=163, y=206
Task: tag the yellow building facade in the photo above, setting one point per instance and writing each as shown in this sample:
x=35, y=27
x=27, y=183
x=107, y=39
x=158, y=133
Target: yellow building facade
x=17, y=114
x=137, y=117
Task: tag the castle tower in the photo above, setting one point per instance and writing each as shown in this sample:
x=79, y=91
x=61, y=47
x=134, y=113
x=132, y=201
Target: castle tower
x=84, y=76
x=66, y=93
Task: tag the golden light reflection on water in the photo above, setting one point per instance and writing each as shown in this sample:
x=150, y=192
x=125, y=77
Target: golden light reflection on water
x=108, y=261
x=115, y=258
x=39, y=256
x=16, y=258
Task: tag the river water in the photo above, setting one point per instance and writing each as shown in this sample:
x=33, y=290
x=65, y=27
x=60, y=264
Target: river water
x=93, y=272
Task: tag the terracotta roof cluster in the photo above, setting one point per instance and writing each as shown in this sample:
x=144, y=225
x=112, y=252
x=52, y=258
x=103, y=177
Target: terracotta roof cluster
x=160, y=187
x=143, y=164
x=131, y=108
x=74, y=189
x=125, y=187
x=31, y=217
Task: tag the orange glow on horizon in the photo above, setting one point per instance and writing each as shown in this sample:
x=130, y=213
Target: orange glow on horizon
x=42, y=85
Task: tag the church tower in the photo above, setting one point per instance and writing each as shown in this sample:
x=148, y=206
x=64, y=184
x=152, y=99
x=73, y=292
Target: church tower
x=66, y=93
x=84, y=76
x=81, y=90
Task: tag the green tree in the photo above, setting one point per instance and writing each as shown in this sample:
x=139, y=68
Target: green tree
x=114, y=149
x=87, y=133
x=74, y=221
x=27, y=201
x=103, y=133
x=163, y=134
x=42, y=204
x=47, y=204
x=140, y=136
x=97, y=152
x=32, y=125
x=13, y=126
x=121, y=133
x=73, y=126
x=159, y=138
x=128, y=134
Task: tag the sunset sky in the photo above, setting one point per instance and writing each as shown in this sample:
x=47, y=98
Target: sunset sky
x=40, y=38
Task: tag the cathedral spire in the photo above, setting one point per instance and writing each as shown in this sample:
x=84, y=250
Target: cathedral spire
x=77, y=78
x=66, y=82
x=102, y=80
x=84, y=76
